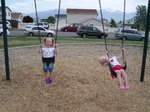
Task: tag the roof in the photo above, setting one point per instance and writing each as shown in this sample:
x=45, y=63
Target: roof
x=81, y=11
x=6, y=8
x=91, y=19
x=15, y=15
x=61, y=15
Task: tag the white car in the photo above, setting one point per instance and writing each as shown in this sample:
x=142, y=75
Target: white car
x=39, y=31
x=1, y=31
x=8, y=25
x=40, y=24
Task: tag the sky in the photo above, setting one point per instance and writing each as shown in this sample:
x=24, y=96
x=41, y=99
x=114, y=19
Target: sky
x=27, y=6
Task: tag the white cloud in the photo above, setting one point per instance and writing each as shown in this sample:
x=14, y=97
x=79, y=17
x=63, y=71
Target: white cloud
x=27, y=6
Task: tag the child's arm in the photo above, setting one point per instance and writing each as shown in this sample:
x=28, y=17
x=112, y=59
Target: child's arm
x=107, y=55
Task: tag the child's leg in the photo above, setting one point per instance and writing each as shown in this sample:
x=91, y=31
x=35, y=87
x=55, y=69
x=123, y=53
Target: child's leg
x=45, y=69
x=120, y=85
x=50, y=67
x=118, y=72
x=124, y=75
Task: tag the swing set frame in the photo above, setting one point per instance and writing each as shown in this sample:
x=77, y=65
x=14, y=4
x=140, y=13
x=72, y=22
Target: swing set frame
x=6, y=55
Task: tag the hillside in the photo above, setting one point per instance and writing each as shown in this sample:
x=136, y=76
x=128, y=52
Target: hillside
x=117, y=15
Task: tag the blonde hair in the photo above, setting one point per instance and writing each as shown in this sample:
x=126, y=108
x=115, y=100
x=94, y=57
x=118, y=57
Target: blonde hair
x=45, y=39
x=103, y=60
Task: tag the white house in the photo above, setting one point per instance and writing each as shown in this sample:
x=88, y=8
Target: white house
x=62, y=20
x=17, y=16
x=8, y=13
x=80, y=15
x=94, y=22
x=84, y=16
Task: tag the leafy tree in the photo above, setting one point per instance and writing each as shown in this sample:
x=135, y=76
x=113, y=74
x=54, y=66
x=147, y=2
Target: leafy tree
x=27, y=19
x=140, y=18
x=113, y=23
x=136, y=25
x=50, y=19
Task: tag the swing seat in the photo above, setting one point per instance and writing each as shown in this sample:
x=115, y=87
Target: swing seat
x=113, y=73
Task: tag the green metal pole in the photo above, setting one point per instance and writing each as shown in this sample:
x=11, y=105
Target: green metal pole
x=145, y=43
x=5, y=40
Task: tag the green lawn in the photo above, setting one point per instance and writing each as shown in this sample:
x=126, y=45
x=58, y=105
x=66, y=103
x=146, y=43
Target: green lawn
x=25, y=41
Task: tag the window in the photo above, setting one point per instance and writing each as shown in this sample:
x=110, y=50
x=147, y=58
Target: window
x=89, y=28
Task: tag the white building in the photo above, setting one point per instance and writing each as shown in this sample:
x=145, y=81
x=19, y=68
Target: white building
x=8, y=13
x=84, y=16
x=80, y=15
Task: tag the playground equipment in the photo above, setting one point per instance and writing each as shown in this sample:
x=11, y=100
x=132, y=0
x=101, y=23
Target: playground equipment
x=6, y=55
x=124, y=66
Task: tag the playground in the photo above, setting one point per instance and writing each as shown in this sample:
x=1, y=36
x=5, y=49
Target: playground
x=80, y=83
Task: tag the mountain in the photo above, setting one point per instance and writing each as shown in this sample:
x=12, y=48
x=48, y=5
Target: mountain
x=116, y=15
x=46, y=14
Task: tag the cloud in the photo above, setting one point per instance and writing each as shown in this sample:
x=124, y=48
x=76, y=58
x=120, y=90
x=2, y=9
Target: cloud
x=27, y=6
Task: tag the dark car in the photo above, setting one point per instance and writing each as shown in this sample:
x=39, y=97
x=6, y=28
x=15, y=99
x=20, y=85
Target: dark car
x=85, y=31
x=71, y=28
x=129, y=34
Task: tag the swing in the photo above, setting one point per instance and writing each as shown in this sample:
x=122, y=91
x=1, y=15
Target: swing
x=113, y=73
x=124, y=66
x=48, y=80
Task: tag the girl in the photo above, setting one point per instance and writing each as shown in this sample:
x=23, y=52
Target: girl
x=117, y=68
x=48, y=51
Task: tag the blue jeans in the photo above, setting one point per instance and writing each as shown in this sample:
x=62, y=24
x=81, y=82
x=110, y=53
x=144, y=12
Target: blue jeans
x=48, y=66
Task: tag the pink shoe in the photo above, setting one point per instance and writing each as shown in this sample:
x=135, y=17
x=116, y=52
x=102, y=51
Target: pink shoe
x=48, y=80
x=126, y=85
x=121, y=86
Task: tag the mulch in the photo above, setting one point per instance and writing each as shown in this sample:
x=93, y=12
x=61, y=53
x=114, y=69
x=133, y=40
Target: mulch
x=80, y=83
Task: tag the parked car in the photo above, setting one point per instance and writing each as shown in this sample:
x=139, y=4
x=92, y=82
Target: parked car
x=1, y=31
x=8, y=25
x=85, y=31
x=41, y=24
x=130, y=34
x=71, y=28
x=39, y=31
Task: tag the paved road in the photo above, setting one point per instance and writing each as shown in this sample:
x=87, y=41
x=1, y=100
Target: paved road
x=16, y=32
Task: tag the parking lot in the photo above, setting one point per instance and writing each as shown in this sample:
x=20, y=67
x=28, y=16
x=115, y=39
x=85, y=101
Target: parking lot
x=20, y=33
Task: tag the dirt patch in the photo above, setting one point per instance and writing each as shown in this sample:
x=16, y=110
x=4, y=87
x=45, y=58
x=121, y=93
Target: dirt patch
x=80, y=83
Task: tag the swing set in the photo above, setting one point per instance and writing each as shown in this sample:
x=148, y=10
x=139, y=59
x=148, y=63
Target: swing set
x=124, y=66
x=6, y=55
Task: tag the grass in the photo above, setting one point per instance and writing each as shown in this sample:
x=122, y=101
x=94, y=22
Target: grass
x=25, y=41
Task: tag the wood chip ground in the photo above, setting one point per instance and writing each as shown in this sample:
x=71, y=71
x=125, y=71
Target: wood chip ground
x=80, y=83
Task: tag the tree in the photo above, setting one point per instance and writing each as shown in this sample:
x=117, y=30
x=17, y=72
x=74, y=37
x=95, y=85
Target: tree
x=27, y=19
x=136, y=25
x=140, y=18
x=50, y=19
x=113, y=23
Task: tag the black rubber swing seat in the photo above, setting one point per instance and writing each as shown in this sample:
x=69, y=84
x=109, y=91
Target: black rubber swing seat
x=113, y=73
